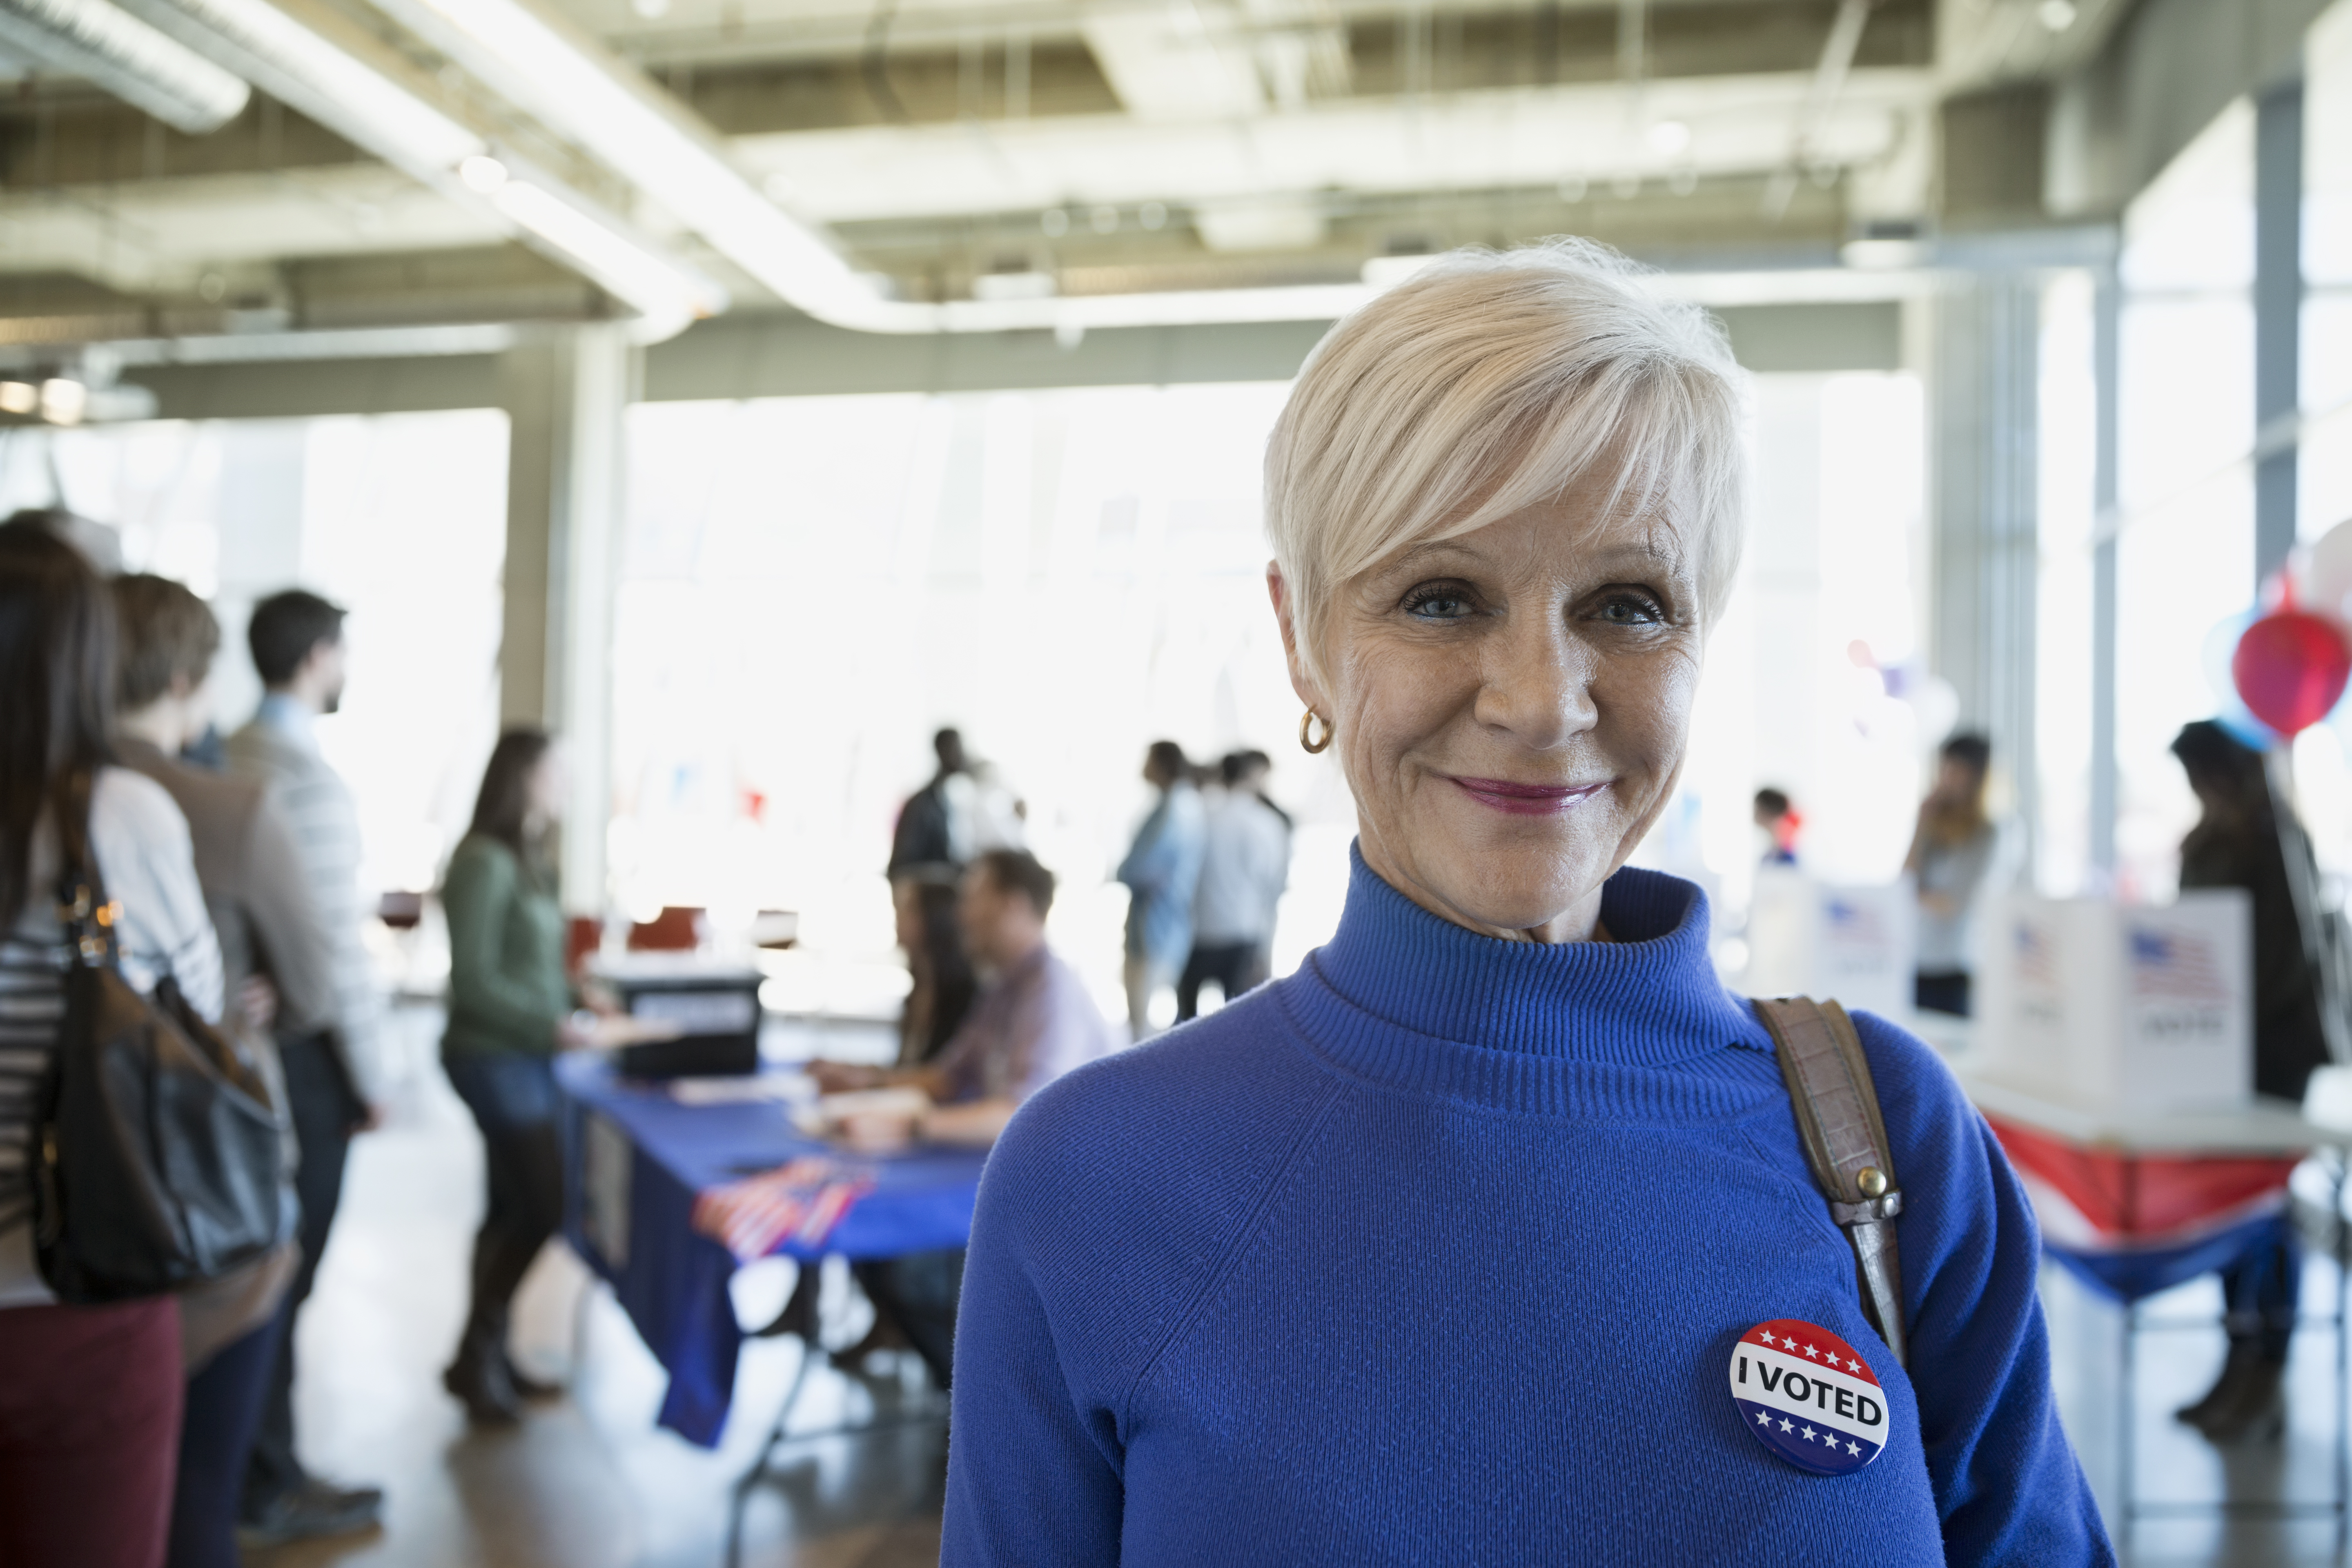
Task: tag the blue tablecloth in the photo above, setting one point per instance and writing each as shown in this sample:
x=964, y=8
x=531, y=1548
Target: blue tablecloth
x=634, y=1159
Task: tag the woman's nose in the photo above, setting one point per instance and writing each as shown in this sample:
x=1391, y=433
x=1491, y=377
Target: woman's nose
x=1536, y=683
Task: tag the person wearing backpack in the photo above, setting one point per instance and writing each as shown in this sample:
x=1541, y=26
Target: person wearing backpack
x=91, y=1396
x=1500, y=1233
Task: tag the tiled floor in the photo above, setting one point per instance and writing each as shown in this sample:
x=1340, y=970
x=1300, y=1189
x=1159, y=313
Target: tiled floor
x=591, y=1483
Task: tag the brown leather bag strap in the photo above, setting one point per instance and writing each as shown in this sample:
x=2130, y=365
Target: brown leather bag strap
x=1845, y=1144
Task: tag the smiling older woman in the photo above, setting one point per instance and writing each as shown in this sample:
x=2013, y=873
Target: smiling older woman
x=1460, y=1244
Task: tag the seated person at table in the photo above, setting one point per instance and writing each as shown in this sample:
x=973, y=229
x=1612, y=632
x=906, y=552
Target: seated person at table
x=1032, y=1023
x=1029, y=1026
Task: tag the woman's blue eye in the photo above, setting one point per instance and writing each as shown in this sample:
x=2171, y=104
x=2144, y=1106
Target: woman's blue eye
x=1440, y=607
x=1625, y=610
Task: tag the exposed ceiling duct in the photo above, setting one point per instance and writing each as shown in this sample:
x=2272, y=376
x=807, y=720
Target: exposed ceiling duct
x=313, y=59
x=112, y=49
x=1061, y=165
x=546, y=65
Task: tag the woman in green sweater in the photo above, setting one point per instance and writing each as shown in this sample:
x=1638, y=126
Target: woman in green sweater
x=510, y=1012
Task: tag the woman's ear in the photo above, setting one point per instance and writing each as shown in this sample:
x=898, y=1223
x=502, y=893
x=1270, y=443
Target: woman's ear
x=1279, y=592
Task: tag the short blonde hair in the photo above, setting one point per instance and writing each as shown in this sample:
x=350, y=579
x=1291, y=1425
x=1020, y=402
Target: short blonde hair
x=1488, y=382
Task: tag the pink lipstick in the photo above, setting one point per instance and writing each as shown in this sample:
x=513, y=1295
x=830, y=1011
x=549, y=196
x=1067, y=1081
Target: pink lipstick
x=1525, y=799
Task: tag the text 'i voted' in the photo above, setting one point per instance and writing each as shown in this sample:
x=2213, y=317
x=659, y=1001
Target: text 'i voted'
x=1808, y=1397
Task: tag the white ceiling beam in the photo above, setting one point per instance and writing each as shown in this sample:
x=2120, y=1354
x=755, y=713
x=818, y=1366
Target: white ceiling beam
x=1501, y=138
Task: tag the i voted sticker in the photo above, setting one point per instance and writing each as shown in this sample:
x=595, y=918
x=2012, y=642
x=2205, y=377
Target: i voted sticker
x=1808, y=1397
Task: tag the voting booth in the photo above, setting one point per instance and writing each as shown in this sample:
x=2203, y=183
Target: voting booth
x=1853, y=945
x=2113, y=1007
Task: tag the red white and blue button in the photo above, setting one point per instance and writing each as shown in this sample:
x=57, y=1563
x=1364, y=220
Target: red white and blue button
x=1808, y=1397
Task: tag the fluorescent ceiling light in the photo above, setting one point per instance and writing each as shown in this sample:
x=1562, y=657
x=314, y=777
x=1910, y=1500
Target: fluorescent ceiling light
x=1014, y=286
x=107, y=45
x=64, y=402
x=348, y=81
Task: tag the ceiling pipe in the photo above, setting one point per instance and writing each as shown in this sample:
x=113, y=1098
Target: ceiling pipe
x=545, y=64
x=319, y=63
x=1829, y=81
x=114, y=50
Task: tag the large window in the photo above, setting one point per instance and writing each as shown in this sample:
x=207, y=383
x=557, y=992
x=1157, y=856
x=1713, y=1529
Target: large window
x=811, y=585
x=400, y=517
x=2063, y=629
x=2186, y=405
x=1816, y=681
x=2323, y=770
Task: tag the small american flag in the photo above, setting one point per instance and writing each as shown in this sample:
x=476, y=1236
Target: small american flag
x=1854, y=922
x=2037, y=957
x=2176, y=964
x=800, y=1202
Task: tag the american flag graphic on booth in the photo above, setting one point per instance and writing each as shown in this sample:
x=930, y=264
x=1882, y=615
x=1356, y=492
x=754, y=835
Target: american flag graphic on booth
x=1855, y=922
x=2175, y=964
x=2037, y=957
x=1808, y=1397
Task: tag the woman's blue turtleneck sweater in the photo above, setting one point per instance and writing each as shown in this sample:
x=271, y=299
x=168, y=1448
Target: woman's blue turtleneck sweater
x=1435, y=1253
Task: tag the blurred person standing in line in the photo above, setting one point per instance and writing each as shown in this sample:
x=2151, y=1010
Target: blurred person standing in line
x=91, y=1396
x=929, y=847
x=1161, y=872
x=2244, y=839
x=336, y=1077
x=276, y=967
x=1254, y=767
x=1244, y=866
x=1777, y=815
x=935, y=825
x=1951, y=853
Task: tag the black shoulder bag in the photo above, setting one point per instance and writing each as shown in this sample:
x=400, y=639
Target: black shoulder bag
x=1845, y=1145
x=158, y=1157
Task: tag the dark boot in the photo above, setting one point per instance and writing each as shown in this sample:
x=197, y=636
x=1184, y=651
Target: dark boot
x=526, y=1386
x=2224, y=1393
x=479, y=1378
x=2257, y=1407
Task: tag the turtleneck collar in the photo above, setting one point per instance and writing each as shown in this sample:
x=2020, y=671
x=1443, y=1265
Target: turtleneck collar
x=1649, y=997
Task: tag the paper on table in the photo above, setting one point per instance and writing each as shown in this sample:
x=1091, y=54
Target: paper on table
x=820, y=1119
x=791, y=1087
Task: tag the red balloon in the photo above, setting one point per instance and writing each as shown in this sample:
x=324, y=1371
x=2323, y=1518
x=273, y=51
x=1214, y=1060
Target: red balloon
x=2291, y=670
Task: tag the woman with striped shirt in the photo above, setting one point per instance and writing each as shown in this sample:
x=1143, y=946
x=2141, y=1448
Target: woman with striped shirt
x=90, y=1396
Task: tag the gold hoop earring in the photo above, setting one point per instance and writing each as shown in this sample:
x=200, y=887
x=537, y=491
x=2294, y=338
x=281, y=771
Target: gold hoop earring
x=1307, y=721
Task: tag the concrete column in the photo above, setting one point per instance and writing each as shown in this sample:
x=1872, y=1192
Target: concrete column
x=2106, y=793
x=2278, y=312
x=1986, y=356
x=565, y=395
